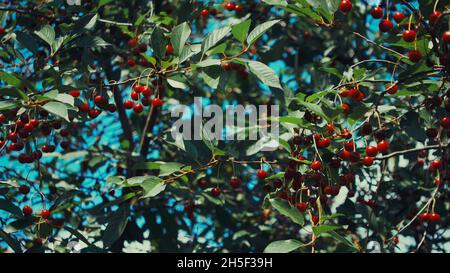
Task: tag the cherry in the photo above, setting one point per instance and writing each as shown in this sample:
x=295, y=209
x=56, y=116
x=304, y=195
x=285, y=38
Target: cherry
x=204, y=12
x=28, y=127
x=27, y=210
x=345, y=155
x=112, y=107
x=12, y=137
x=75, y=93
x=434, y=217
x=157, y=102
x=385, y=25
x=367, y=161
x=138, y=88
x=45, y=214
x=34, y=122
x=302, y=206
x=409, y=35
x=377, y=12
x=202, y=182
x=128, y=104
x=169, y=49
x=146, y=91
x=229, y=6
x=327, y=190
x=315, y=219
x=235, y=182
x=133, y=42
x=354, y=157
x=216, y=192
x=399, y=16
x=349, y=146
x=436, y=164
x=131, y=63
x=383, y=146
x=134, y=95
x=446, y=37
x=238, y=8
x=2, y=31
x=138, y=108
x=445, y=122
x=415, y=56
x=84, y=108
x=392, y=89
x=345, y=108
x=2, y=118
x=434, y=17
x=93, y=113
x=345, y=6
x=99, y=99
x=261, y=174
x=24, y=189
x=316, y=165
x=371, y=151
x=323, y=143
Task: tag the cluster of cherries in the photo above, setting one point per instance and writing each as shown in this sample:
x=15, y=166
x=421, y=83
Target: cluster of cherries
x=142, y=93
x=230, y=6
x=409, y=34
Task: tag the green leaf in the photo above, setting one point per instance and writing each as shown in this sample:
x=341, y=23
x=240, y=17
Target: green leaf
x=324, y=229
x=13, y=243
x=343, y=240
x=284, y=246
x=264, y=73
x=10, y=79
x=259, y=31
x=57, y=108
x=283, y=207
x=5, y=105
x=116, y=225
x=240, y=30
x=152, y=187
x=27, y=41
x=179, y=36
x=214, y=37
x=158, y=42
x=165, y=168
x=13, y=92
x=8, y=206
x=47, y=34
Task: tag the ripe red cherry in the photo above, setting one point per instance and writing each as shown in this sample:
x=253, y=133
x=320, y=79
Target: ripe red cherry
x=99, y=99
x=216, y=192
x=131, y=63
x=24, y=189
x=434, y=17
x=315, y=219
x=75, y=93
x=434, y=217
x=445, y=122
x=409, y=35
x=134, y=95
x=12, y=137
x=446, y=37
x=146, y=91
x=84, y=108
x=112, y=107
x=128, y=104
x=93, y=113
x=169, y=49
x=2, y=31
x=414, y=56
x=385, y=25
x=383, y=146
x=202, y=182
x=316, y=165
x=377, y=12
x=349, y=146
x=436, y=164
x=345, y=6
x=157, y=102
x=367, y=161
x=138, y=108
x=229, y=6
x=138, y=88
x=371, y=151
x=261, y=174
x=204, y=12
x=235, y=182
x=302, y=206
x=392, y=89
x=27, y=210
x=399, y=16
x=345, y=108
x=324, y=142
x=425, y=216
x=133, y=42
x=345, y=155
x=45, y=214
x=2, y=118
x=238, y=8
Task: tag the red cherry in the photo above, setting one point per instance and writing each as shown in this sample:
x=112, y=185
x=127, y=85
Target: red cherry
x=216, y=192
x=238, y=8
x=371, y=151
x=302, y=206
x=392, y=89
x=93, y=113
x=2, y=31
x=367, y=161
x=12, y=137
x=415, y=56
x=425, y=216
x=399, y=16
x=157, y=102
x=345, y=108
x=434, y=217
x=99, y=99
x=434, y=17
x=75, y=93
x=138, y=88
x=345, y=155
x=34, y=122
x=323, y=143
x=45, y=214
x=436, y=164
x=133, y=42
x=128, y=104
x=262, y=174
x=445, y=122
x=385, y=25
x=138, y=108
x=202, y=182
x=377, y=12
x=24, y=189
x=409, y=35
x=134, y=95
x=27, y=210
x=146, y=91
x=446, y=37
x=345, y=6
x=84, y=108
x=204, y=12
x=131, y=63
x=112, y=107
x=316, y=165
x=315, y=219
x=169, y=49
x=349, y=146
x=229, y=6
x=327, y=190
x=2, y=118
x=383, y=146
x=235, y=182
